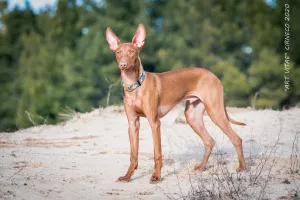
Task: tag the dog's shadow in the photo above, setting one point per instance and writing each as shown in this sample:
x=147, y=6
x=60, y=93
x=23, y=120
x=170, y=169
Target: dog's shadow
x=169, y=173
x=147, y=173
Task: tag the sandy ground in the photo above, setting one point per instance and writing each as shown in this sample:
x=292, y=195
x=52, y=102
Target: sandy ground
x=83, y=157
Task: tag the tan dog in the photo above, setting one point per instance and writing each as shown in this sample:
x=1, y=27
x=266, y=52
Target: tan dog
x=153, y=95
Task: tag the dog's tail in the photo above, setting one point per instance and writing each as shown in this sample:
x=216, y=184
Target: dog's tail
x=233, y=121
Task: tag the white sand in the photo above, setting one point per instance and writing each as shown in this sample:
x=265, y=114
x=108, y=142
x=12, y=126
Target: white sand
x=83, y=157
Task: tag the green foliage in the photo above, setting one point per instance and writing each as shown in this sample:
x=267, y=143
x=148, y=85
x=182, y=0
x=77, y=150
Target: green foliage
x=59, y=57
x=267, y=78
x=235, y=83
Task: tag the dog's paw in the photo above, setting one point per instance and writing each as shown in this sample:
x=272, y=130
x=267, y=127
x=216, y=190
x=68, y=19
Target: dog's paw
x=123, y=179
x=199, y=168
x=155, y=179
x=240, y=169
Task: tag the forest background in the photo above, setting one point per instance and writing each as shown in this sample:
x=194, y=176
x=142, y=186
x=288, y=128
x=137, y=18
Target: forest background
x=57, y=58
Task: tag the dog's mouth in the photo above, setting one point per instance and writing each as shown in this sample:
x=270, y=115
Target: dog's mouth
x=127, y=67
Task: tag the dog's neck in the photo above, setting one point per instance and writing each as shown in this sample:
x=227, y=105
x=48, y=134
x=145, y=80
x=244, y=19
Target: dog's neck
x=131, y=75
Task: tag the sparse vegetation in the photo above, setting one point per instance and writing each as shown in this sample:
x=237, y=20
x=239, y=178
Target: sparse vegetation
x=219, y=183
x=67, y=113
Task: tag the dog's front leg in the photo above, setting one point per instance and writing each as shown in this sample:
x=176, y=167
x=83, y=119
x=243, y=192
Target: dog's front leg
x=155, y=126
x=133, y=131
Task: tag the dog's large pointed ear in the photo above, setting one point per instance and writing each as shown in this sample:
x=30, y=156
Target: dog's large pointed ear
x=112, y=39
x=139, y=36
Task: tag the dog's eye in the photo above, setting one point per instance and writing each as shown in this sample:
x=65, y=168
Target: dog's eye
x=119, y=53
x=131, y=51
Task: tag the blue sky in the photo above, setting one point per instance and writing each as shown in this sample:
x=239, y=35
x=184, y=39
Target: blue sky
x=36, y=4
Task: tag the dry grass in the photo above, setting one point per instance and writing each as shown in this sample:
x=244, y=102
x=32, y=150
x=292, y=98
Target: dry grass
x=222, y=184
x=295, y=155
x=67, y=113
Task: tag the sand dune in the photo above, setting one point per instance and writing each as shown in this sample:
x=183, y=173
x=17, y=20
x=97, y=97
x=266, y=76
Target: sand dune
x=83, y=157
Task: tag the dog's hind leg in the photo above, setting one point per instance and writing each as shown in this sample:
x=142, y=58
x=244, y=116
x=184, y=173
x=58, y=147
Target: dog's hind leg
x=215, y=109
x=194, y=111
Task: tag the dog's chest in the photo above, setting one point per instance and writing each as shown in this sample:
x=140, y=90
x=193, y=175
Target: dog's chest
x=135, y=103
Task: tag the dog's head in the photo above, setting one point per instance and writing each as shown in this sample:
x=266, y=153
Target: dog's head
x=127, y=54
